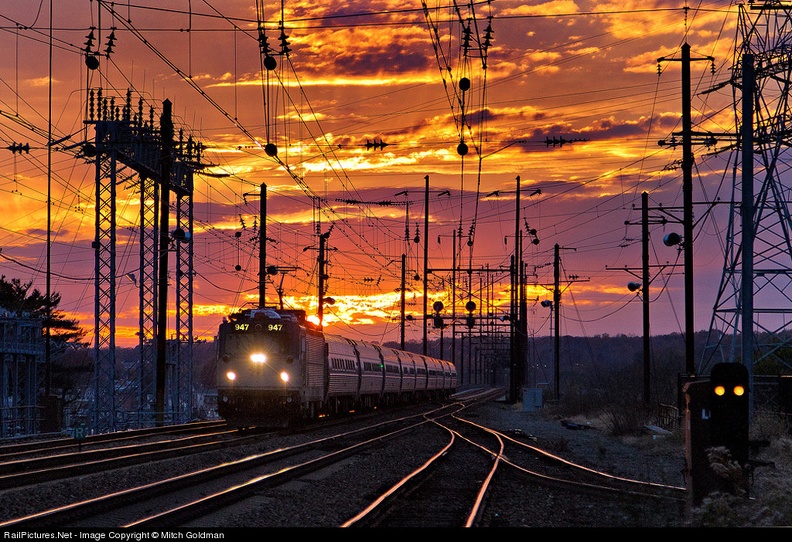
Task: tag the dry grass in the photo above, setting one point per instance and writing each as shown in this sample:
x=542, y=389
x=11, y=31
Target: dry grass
x=768, y=479
x=768, y=502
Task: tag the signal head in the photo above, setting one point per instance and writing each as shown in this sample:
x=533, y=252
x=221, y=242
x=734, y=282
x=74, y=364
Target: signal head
x=729, y=409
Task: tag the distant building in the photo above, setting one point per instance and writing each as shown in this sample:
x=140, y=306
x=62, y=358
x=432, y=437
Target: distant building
x=22, y=350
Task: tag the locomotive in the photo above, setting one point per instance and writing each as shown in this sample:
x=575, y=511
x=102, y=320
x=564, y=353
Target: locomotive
x=276, y=369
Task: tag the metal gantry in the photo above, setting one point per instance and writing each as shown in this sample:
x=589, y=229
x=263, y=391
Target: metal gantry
x=752, y=316
x=127, y=149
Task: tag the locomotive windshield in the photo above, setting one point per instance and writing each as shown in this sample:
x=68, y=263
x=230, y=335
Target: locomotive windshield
x=270, y=337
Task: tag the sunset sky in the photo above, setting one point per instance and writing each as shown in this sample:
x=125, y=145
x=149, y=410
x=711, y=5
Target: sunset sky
x=390, y=72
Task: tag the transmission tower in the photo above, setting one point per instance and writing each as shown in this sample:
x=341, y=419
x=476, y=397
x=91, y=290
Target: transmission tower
x=753, y=312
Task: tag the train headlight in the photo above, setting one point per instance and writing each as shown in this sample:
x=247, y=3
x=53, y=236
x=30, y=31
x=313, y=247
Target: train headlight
x=284, y=376
x=258, y=358
x=231, y=375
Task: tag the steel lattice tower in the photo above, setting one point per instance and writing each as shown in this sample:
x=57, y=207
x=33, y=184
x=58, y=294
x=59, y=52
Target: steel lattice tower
x=127, y=151
x=147, y=291
x=752, y=315
x=182, y=388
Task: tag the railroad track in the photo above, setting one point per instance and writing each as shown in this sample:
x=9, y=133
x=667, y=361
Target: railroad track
x=36, y=462
x=58, y=461
x=474, y=465
x=52, y=444
x=227, y=482
x=434, y=469
x=455, y=469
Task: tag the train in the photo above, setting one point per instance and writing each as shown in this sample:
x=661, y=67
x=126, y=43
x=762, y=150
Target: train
x=276, y=369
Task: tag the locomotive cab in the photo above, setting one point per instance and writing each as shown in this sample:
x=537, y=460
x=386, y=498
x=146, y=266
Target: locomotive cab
x=261, y=368
x=275, y=369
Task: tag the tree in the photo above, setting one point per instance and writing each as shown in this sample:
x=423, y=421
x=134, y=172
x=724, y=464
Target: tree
x=70, y=360
x=19, y=298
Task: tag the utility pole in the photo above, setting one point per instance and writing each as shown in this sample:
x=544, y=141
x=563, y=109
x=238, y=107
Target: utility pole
x=263, y=239
x=516, y=355
x=322, y=273
x=518, y=317
x=263, y=248
x=518, y=320
x=522, y=331
x=48, y=321
x=557, y=308
x=401, y=291
x=453, y=306
x=643, y=287
x=557, y=332
x=166, y=141
x=687, y=203
x=426, y=261
x=513, y=331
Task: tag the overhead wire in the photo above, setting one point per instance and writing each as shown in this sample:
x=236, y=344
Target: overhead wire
x=462, y=192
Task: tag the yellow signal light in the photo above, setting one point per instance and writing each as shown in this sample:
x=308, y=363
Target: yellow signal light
x=719, y=390
x=739, y=391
